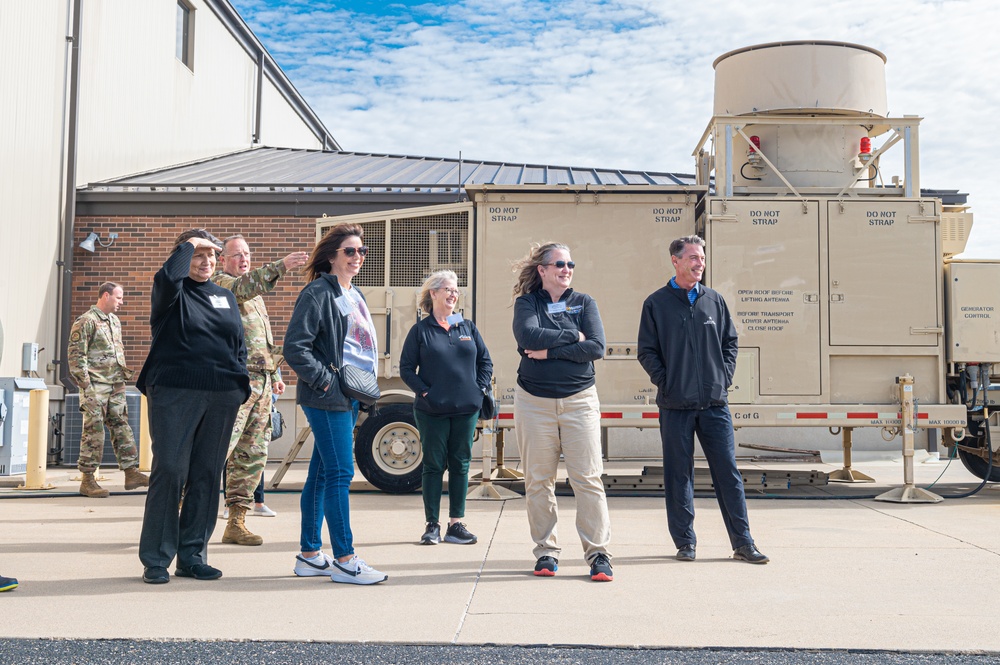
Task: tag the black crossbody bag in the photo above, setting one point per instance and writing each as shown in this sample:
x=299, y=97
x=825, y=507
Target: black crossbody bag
x=357, y=384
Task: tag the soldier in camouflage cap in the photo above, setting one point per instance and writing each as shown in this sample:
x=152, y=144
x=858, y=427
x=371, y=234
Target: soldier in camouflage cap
x=252, y=431
x=97, y=366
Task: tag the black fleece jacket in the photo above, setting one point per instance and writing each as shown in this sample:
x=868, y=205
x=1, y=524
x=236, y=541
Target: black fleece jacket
x=689, y=351
x=197, y=332
x=569, y=367
x=452, y=366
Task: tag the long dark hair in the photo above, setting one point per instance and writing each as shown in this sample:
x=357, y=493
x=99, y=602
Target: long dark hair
x=326, y=248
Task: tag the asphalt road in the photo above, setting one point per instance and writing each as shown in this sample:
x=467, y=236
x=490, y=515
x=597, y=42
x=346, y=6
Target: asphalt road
x=101, y=652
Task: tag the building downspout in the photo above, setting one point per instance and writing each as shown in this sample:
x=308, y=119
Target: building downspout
x=65, y=299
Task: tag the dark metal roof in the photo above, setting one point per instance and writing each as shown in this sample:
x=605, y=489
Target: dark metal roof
x=296, y=170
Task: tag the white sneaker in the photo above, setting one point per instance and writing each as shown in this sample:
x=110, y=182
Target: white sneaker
x=225, y=513
x=263, y=511
x=319, y=566
x=356, y=571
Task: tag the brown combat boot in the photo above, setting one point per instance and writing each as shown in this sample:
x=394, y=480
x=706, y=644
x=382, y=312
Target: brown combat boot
x=236, y=529
x=89, y=488
x=134, y=479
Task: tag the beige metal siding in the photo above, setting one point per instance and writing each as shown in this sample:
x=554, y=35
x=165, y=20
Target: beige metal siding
x=142, y=108
x=280, y=125
x=33, y=50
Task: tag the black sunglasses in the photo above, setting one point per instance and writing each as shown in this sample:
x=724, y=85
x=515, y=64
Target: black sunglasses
x=350, y=251
x=562, y=264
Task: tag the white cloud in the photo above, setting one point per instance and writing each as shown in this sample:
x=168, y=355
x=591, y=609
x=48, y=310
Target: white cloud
x=623, y=83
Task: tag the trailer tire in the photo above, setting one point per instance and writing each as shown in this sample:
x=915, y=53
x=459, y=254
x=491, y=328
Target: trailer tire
x=977, y=466
x=387, y=450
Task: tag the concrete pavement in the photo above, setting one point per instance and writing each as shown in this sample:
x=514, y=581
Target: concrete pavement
x=845, y=574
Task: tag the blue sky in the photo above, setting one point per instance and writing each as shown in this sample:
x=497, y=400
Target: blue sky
x=622, y=83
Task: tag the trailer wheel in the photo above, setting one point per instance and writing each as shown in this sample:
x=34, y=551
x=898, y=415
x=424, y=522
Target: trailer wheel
x=977, y=466
x=388, y=451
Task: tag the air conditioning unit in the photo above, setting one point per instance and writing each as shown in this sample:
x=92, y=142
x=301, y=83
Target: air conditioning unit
x=73, y=428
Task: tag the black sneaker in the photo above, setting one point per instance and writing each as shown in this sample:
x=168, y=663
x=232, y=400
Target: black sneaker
x=458, y=534
x=546, y=566
x=432, y=535
x=155, y=575
x=600, y=569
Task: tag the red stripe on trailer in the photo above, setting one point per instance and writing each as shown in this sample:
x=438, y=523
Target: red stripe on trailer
x=873, y=415
x=612, y=414
x=651, y=415
x=919, y=415
x=506, y=416
x=807, y=415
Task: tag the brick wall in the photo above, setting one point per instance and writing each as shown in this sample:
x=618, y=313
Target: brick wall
x=144, y=243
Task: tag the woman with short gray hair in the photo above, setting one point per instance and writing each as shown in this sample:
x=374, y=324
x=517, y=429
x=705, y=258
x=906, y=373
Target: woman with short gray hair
x=446, y=364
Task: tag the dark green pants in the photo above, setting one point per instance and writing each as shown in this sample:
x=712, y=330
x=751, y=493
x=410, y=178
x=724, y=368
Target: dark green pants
x=447, y=444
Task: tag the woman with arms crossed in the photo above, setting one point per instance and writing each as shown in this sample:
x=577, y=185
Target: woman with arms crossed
x=559, y=335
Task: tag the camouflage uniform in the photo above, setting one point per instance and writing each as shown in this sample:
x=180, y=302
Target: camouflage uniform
x=252, y=431
x=97, y=366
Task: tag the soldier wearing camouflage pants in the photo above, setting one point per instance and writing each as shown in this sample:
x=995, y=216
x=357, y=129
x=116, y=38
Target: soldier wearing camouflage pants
x=97, y=366
x=252, y=431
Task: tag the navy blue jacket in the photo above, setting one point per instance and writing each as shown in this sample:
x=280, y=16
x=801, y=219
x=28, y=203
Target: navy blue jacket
x=689, y=351
x=452, y=366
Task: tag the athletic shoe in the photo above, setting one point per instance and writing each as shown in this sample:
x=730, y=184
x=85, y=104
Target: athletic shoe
x=263, y=511
x=320, y=565
x=546, y=566
x=198, y=571
x=356, y=571
x=225, y=513
x=7, y=583
x=600, y=569
x=432, y=534
x=458, y=534
x=155, y=575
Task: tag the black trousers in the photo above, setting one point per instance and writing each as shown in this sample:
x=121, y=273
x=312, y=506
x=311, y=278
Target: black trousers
x=190, y=430
x=714, y=427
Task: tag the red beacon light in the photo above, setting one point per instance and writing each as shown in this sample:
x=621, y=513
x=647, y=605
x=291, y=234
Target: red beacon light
x=866, y=145
x=754, y=144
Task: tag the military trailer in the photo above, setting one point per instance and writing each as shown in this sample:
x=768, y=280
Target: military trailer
x=850, y=309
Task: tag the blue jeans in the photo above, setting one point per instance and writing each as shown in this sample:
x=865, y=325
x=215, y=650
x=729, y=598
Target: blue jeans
x=714, y=427
x=328, y=483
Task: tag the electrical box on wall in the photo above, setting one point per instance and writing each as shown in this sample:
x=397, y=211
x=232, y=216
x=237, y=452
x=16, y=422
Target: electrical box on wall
x=29, y=357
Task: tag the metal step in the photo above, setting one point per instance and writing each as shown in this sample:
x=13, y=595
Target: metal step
x=651, y=480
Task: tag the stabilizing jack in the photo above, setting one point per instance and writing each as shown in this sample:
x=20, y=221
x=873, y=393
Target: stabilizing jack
x=908, y=493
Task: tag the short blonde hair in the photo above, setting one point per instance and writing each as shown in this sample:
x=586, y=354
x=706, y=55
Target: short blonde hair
x=435, y=280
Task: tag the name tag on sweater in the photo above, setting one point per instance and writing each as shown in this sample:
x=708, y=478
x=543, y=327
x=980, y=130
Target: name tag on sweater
x=454, y=319
x=344, y=305
x=219, y=302
x=557, y=307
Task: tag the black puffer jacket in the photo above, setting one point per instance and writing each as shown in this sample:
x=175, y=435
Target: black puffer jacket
x=689, y=351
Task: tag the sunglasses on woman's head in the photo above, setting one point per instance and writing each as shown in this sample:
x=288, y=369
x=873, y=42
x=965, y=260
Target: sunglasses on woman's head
x=350, y=251
x=562, y=264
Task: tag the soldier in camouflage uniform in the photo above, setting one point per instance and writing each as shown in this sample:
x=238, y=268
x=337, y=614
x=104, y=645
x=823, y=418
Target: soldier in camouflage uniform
x=97, y=366
x=252, y=431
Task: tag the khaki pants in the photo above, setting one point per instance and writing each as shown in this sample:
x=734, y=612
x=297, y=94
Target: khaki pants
x=572, y=426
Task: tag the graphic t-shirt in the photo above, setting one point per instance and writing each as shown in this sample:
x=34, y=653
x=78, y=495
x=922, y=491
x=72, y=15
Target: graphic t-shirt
x=360, y=345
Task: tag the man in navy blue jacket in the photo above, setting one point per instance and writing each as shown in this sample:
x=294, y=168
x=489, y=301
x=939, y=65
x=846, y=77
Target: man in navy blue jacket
x=688, y=346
